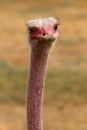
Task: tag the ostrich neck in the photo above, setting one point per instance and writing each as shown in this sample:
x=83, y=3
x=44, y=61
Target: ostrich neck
x=38, y=63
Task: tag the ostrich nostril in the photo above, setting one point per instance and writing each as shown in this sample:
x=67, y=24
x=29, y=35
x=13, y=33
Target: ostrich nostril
x=44, y=34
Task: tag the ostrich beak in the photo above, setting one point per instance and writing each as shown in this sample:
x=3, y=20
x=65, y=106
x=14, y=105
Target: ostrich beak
x=49, y=37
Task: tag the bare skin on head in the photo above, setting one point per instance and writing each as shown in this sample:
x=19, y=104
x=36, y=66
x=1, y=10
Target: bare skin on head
x=42, y=34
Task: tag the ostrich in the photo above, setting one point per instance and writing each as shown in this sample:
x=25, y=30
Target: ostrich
x=42, y=33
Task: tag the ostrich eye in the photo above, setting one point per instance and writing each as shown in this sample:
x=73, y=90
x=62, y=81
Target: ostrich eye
x=31, y=30
x=55, y=27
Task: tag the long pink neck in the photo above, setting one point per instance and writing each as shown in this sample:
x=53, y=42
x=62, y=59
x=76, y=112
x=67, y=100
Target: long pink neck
x=35, y=89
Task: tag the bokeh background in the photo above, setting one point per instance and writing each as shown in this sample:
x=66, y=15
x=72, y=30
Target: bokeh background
x=65, y=97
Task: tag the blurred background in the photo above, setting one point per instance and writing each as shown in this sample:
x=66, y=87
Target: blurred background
x=65, y=97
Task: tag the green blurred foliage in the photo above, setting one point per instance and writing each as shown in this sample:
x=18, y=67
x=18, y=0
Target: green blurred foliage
x=13, y=85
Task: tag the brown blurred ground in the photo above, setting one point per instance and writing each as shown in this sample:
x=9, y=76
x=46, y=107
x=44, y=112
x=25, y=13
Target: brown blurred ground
x=71, y=47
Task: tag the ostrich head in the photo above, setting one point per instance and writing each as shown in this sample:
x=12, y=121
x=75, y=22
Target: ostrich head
x=42, y=31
